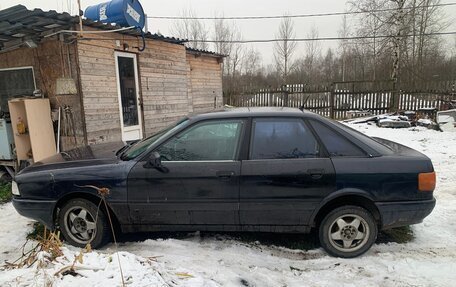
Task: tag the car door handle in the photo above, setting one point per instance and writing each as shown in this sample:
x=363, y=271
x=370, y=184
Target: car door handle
x=225, y=175
x=316, y=173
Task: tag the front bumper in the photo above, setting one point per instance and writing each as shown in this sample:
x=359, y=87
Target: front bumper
x=396, y=214
x=40, y=210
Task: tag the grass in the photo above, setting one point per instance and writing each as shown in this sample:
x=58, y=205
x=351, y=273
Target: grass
x=37, y=231
x=5, y=192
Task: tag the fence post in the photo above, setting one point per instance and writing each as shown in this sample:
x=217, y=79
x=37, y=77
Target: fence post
x=270, y=97
x=394, y=98
x=331, y=101
x=284, y=97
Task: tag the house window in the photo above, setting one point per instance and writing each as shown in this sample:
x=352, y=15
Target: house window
x=15, y=82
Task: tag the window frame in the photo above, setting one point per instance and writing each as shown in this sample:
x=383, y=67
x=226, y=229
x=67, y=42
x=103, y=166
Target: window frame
x=322, y=153
x=309, y=121
x=239, y=146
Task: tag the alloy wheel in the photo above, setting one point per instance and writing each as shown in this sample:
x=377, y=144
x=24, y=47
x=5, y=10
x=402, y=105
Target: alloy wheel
x=80, y=224
x=348, y=233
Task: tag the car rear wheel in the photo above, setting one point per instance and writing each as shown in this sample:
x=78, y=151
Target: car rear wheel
x=348, y=231
x=81, y=222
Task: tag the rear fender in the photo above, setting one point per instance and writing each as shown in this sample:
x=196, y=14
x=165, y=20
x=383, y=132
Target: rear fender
x=342, y=193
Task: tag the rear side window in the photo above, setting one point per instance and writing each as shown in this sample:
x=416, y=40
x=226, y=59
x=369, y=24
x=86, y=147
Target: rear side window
x=282, y=139
x=336, y=144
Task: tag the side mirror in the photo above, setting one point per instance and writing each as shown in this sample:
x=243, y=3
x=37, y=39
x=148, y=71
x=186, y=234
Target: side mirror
x=154, y=161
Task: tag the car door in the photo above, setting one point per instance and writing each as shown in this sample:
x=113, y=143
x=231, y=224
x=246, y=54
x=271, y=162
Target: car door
x=286, y=174
x=199, y=184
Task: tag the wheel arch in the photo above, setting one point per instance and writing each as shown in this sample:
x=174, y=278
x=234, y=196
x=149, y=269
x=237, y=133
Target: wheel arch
x=95, y=199
x=346, y=197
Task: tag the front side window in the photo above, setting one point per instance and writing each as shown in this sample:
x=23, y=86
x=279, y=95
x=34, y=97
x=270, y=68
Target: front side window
x=207, y=141
x=282, y=139
x=138, y=148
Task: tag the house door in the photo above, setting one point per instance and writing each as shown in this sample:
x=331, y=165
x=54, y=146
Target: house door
x=129, y=101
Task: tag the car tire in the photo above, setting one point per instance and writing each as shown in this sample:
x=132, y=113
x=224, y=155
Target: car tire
x=348, y=231
x=81, y=223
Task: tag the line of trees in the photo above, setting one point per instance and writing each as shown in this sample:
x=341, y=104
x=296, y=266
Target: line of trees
x=408, y=56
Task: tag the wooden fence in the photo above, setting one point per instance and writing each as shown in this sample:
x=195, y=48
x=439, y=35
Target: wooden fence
x=336, y=100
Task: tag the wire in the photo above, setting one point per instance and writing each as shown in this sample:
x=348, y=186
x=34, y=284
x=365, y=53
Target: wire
x=90, y=32
x=296, y=16
x=298, y=39
x=324, y=38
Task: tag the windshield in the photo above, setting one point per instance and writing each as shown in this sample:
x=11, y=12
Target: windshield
x=138, y=148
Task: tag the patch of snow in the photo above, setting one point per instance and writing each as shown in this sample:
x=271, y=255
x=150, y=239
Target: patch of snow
x=425, y=122
x=429, y=260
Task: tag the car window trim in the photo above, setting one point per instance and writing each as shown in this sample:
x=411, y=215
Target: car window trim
x=321, y=153
x=237, y=153
x=200, y=161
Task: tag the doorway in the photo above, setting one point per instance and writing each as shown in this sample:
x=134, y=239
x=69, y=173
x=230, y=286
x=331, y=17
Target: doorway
x=129, y=101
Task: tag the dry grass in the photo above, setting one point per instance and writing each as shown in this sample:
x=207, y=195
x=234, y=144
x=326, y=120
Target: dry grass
x=48, y=242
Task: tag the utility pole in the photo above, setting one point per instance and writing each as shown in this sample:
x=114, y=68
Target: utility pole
x=80, y=13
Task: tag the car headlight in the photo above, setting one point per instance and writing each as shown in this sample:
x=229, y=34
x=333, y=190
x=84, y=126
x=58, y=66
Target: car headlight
x=15, y=188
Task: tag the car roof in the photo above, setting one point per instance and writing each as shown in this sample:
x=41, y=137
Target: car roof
x=254, y=112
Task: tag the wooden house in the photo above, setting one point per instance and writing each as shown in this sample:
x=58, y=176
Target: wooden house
x=110, y=83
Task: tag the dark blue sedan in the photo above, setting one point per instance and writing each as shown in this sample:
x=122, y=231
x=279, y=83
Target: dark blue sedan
x=258, y=169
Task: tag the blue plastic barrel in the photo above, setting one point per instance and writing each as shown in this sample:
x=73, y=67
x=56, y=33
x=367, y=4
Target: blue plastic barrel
x=124, y=13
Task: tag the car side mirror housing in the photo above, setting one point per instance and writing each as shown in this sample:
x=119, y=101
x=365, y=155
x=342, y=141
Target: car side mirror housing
x=154, y=161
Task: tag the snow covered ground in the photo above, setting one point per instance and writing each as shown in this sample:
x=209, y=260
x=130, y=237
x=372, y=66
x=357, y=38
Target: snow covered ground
x=195, y=260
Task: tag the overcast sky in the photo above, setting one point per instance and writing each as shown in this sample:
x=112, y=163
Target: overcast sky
x=251, y=29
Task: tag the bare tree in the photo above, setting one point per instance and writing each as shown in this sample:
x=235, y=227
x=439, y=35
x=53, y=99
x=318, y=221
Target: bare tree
x=226, y=37
x=191, y=29
x=344, y=32
x=251, y=61
x=312, y=53
x=284, y=48
x=409, y=24
x=312, y=48
x=328, y=67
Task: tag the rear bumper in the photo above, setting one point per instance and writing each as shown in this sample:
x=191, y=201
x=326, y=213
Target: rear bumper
x=40, y=210
x=395, y=214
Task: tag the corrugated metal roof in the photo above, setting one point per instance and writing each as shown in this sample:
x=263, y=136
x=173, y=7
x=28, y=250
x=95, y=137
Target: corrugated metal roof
x=18, y=24
x=200, y=51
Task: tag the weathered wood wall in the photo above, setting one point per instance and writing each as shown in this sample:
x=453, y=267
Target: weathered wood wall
x=51, y=60
x=97, y=72
x=205, y=85
x=172, y=84
x=164, y=81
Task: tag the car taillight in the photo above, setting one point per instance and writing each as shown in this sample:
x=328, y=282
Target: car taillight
x=426, y=181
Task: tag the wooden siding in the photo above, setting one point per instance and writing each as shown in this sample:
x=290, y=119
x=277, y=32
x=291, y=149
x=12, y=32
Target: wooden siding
x=172, y=84
x=97, y=72
x=163, y=71
x=205, y=84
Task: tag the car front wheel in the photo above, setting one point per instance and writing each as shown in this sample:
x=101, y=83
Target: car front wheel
x=81, y=222
x=348, y=231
